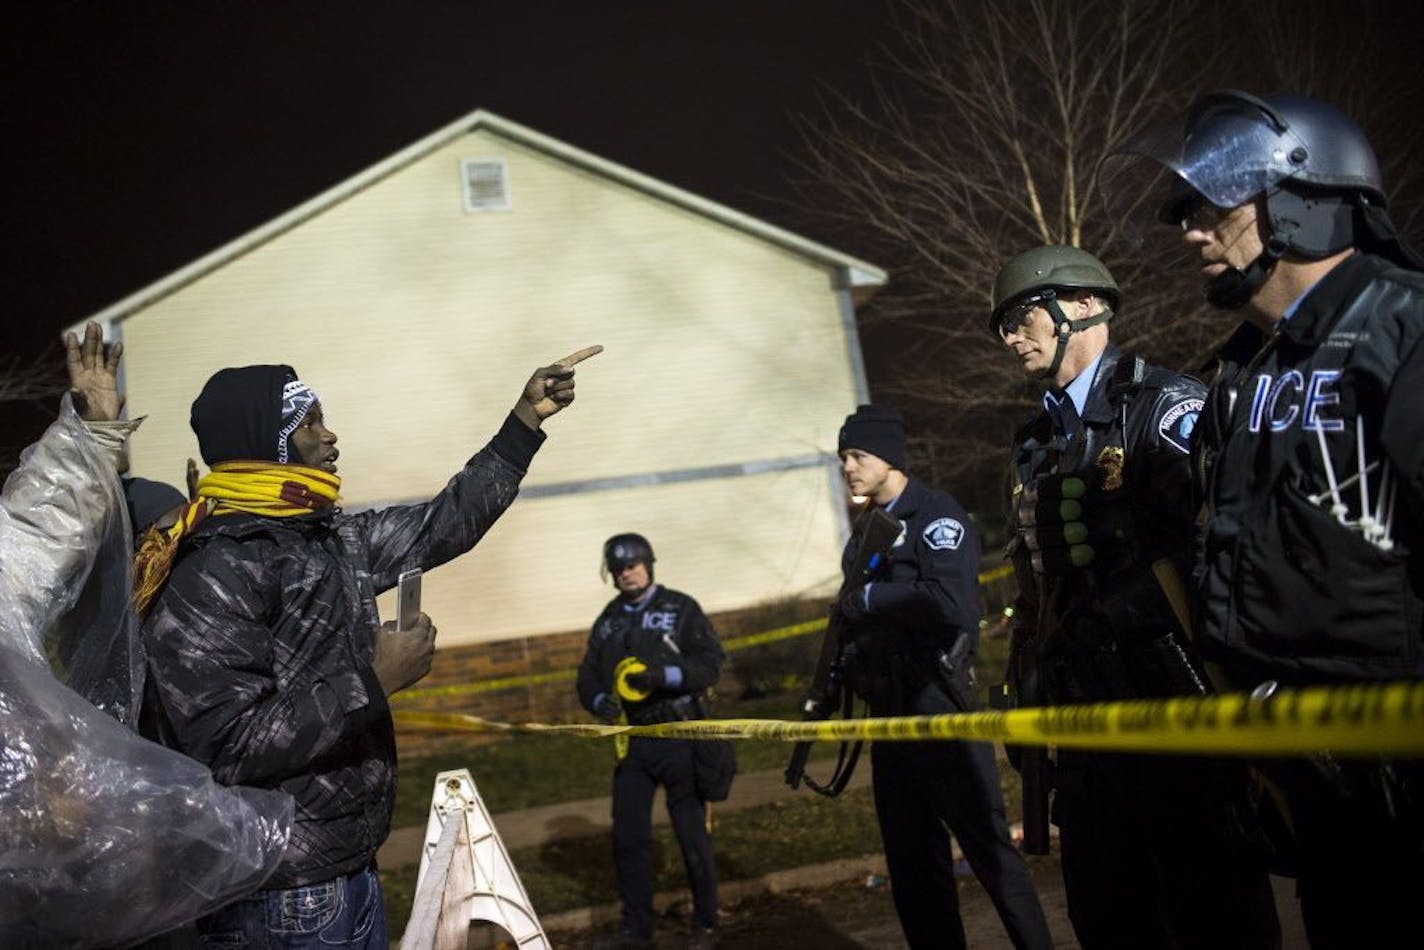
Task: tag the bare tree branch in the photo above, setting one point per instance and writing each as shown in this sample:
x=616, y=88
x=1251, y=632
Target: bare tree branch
x=982, y=135
x=43, y=378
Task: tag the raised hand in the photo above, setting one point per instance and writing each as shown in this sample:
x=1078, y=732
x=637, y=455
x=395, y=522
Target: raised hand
x=550, y=389
x=93, y=374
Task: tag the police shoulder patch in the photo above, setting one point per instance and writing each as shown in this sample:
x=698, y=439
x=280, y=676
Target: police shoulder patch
x=1178, y=422
x=944, y=534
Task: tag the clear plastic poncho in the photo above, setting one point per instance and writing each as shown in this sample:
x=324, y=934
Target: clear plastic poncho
x=105, y=838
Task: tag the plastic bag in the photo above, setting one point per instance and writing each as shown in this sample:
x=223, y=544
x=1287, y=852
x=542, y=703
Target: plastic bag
x=105, y=837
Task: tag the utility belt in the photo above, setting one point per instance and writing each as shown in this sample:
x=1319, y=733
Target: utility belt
x=676, y=709
x=890, y=669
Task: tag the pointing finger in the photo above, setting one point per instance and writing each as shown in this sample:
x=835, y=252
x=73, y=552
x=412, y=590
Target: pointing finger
x=580, y=356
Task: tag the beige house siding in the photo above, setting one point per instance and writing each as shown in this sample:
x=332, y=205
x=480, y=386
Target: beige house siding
x=727, y=542
x=417, y=322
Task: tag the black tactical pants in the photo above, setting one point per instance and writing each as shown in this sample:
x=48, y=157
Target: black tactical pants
x=1359, y=842
x=1155, y=854
x=923, y=792
x=649, y=763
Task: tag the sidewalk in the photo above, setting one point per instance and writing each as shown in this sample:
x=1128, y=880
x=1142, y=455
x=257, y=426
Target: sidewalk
x=593, y=816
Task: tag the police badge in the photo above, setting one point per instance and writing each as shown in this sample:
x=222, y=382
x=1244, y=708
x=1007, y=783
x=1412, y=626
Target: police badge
x=1110, y=462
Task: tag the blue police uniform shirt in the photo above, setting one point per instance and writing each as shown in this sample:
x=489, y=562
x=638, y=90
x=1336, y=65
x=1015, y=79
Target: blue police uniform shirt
x=1076, y=392
x=1295, y=304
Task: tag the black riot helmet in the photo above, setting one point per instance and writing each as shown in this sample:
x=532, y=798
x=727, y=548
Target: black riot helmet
x=622, y=550
x=1310, y=162
x=1039, y=275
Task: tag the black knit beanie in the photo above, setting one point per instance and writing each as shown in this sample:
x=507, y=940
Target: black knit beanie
x=238, y=415
x=877, y=430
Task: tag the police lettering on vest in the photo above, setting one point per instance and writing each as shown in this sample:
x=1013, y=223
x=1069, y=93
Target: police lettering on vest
x=1292, y=399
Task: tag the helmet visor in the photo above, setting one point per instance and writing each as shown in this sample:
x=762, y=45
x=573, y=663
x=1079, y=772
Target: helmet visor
x=1228, y=149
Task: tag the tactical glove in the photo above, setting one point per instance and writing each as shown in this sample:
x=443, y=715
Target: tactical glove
x=645, y=681
x=852, y=603
x=605, y=707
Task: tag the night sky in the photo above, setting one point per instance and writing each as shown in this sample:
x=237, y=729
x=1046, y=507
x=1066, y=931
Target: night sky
x=140, y=136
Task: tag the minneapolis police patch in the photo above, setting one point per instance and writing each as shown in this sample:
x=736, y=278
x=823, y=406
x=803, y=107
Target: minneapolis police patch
x=944, y=534
x=1178, y=422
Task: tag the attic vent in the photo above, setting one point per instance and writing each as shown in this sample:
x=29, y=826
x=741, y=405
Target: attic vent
x=485, y=184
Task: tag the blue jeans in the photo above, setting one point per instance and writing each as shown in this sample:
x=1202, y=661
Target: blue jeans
x=346, y=911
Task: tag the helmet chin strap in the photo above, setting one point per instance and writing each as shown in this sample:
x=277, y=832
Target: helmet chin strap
x=1063, y=328
x=1233, y=288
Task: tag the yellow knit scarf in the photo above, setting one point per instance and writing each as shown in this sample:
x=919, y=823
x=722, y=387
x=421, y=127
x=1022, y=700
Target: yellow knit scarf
x=258, y=488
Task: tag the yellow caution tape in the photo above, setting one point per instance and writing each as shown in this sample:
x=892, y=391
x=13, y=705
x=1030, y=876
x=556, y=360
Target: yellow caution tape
x=730, y=645
x=484, y=686
x=620, y=742
x=995, y=573
x=1344, y=720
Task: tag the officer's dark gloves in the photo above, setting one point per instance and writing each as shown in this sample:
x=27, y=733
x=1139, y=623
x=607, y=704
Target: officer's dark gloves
x=1059, y=518
x=645, y=681
x=605, y=707
x=852, y=603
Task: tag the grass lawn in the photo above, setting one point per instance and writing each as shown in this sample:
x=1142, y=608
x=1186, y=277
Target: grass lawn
x=577, y=872
x=531, y=770
x=528, y=770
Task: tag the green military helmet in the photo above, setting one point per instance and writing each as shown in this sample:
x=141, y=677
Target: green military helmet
x=1054, y=267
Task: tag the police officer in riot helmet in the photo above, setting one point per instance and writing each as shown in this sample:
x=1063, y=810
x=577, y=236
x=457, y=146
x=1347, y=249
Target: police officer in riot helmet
x=1100, y=526
x=1310, y=463
x=650, y=656
x=911, y=633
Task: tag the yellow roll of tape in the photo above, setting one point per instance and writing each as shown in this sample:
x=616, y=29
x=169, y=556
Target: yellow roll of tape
x=626, y=666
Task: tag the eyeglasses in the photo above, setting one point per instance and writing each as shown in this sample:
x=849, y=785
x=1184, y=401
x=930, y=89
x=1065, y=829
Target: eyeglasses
x=1017, y=316
x=1198, y=214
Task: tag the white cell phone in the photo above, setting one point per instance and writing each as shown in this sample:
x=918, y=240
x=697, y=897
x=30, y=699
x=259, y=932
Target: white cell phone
x=408, y=599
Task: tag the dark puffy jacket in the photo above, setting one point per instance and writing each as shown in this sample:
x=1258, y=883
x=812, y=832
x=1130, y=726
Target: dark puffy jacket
x=667, y=629
x=260, y=647
x=1286, y=591
x=1138, y=420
